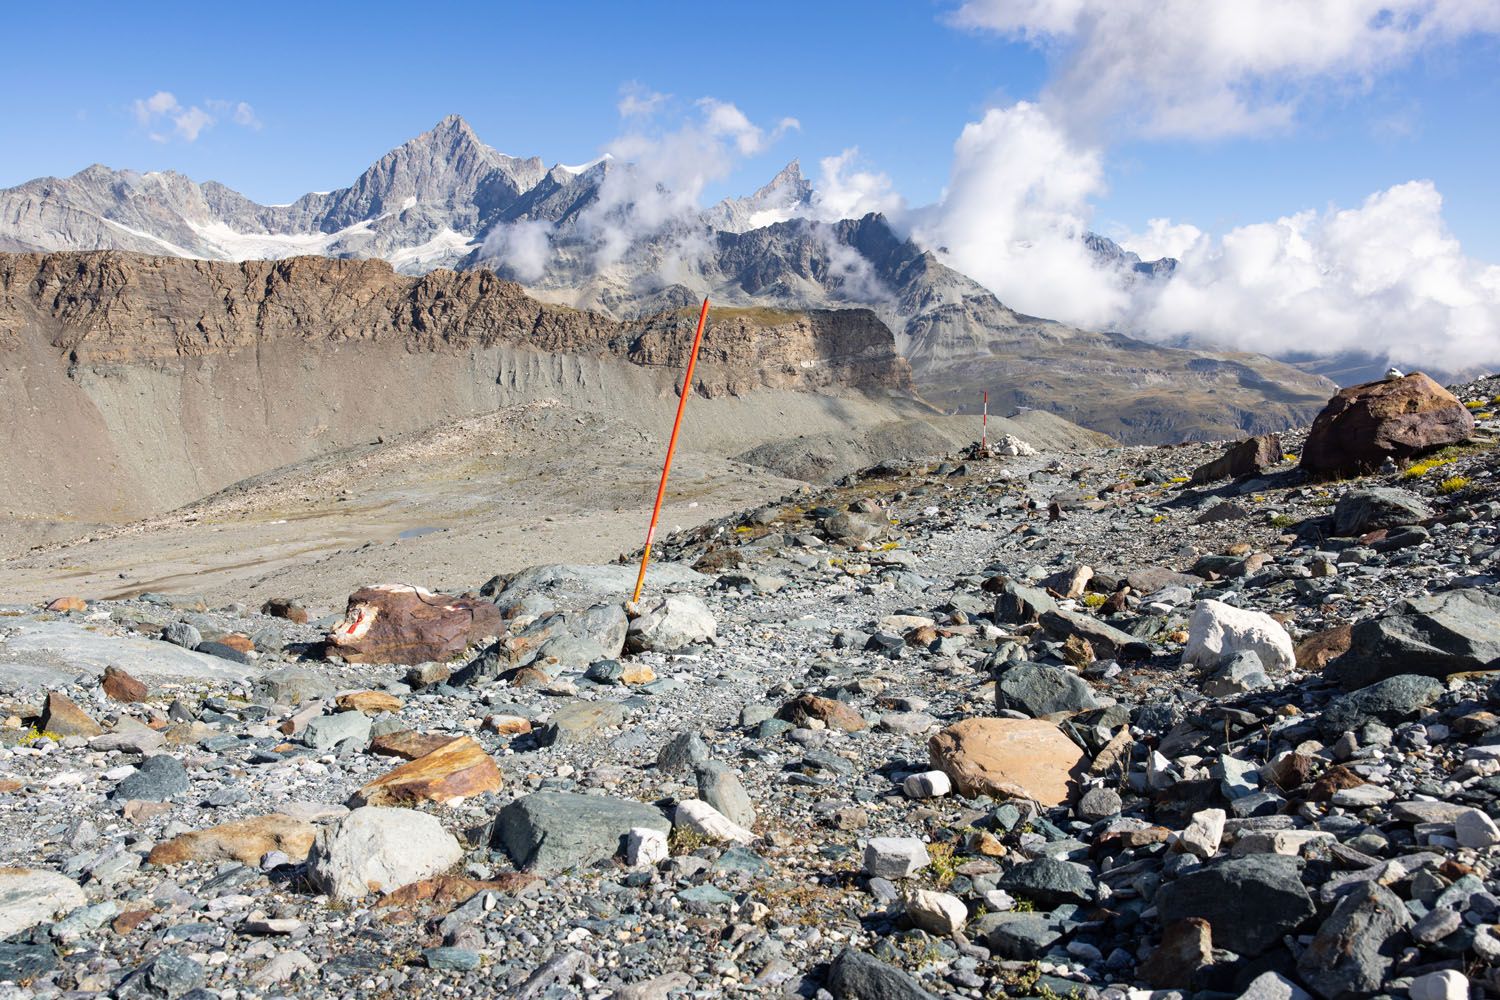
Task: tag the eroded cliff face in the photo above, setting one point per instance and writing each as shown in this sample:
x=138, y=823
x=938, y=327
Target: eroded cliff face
x=108, y=308
x=130, y=385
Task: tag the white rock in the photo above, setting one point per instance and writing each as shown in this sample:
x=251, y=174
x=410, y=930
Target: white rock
x=1203, y=834
x=30, y=896
x=1475, y=829
x=670, y=623
x=376, y=849
x=645, y=846
x=1217, y=631
x=1009, y=444
x=1273, y=986
x=936, y=912
x=1449, y=984
x=1288, y=842
x=998, y=900
x=927, y=785
x=1362, y=795
x=704, y=820
x=895, y=857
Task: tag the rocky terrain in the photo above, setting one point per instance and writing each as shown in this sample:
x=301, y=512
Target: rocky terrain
x=446, y=199
x=1142, y=722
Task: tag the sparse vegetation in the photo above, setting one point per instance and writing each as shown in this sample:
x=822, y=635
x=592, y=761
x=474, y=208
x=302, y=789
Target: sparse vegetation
x=1283, y=521
x=1453, y=484
x=33, y=735
x=943, y=863
x=1419, y=469
x=1094, y=600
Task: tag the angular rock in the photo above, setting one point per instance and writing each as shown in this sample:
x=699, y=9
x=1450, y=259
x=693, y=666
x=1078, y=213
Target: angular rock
x=64, y=718
x=1317, y=651
x=1218, y=632
x=1049, y=882
x=1447, y=633
x=832, y=713
x=1186, y=946
x=293, y=686
x=245, y=840
x=327, y=731
x=1040, y=690
x=393, y=623
x=720, y=787
x=1241, y=674
x=1203, y=834
x=369, y=702
x=1445, y=984
x=547, y=832
x=576, y=721
x=156, y=779
x=936, y=912
x=1376, y=509
x=671, y=623
x=1363, y=425
x=1473, y=828
x=1250, y=902
x=122, y=687
x=1354, y=949
x=1024, y=758
x=1250, y=457
x=408, y=744
x=1107, y=641
x=30, y=896
x=1018, y=604
x=456, y=770
x=1391, y=701
x=895, y=857
x=706, y=821
x=380, y=850
x=1069, y=583
x=644, y=846
x=857, y=976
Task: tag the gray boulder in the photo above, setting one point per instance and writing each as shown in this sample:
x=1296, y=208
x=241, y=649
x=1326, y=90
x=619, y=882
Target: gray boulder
x=720, y=787
x=1050, y=882
x=1040, y=690
x=1108, y=642
x=1244, y=673
x=380, y=849
x=549, y=831
x=1353, y=951
x=671, y=623
x=1447, y=633
x=156, y=779
x=1018, y=604
x=857, y=976
x=327, y=731
x=1390, y=701
x=1249, y=902
x=293, y=686
x=1361, y=511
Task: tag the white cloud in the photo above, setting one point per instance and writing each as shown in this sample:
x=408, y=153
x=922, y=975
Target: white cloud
x=163, y=116
x=1015, y=212
x=1206, y=69
x=1386, y=278
x=524, y=247
x=638, y=100
x=1162, y=238
x=843, y=192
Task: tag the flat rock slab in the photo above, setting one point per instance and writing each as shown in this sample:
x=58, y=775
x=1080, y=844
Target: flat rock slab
x=245, y=840
x=1025, y=758
x=32, y=896
x=549, y=831
x=39, y=654
x=456, y=770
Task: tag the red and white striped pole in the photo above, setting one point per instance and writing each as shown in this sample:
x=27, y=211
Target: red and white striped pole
x=661, y=489
x=984, y=425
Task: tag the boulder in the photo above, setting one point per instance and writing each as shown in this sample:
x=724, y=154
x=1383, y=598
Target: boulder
x=155, y=779
x=720, y=787
x=1243, y=673
x=1354, y=949
x=670, y=623
x=1040, y=690
x=394, y=623
x=1049, y=882
x=1447, y=633
x=245, y=841
x=832, y=713
x=1186, y=946
x=327, y=731
x=1018, y=604
x=1318, y=650
x=31, y=896
x=369, y=702
x=857, y=976
x=1022, y=758
x=293, y=686
x=1107, y=641
x=1377, y=509
x=1217, y=632
x=1363, y=425
x=547, y=832
x=1391, y=701
x=122, y=687
x=62, y=717
x=1069, y=583
x=936, y=912
x=895, y=857
x=456, y=770
x=1250, y=902
x=1250, y=457
x=703, y=819
x=408, y=744
x=380, y=850
x=576, y=721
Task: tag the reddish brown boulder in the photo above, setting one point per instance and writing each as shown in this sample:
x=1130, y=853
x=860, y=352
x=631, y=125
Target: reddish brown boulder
x=122, y=687
x=63, y=717
x=369, y=702
x=1013, y=758
x=456, y=770
x=407, y=744
x=285, y=607
x=1366, y=424
x=393, y=623
x=834, y=714
x=245, y=840
x=237, y=641
x=1250, y=457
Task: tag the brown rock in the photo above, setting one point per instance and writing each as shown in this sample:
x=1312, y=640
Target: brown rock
x=1250, y=457
x=529, y=677
x=245, y=841
x=63, y=717
x=238, y=641
x=1364, y=425
x=1069, y=583
x=1078, y=651
x=834, y=714
x=285, y=607
x=1294, y=770
x=122, y=687
x=1186, y=947
x=448, y=891
x=392, y=623
x=1022, y=758
x=369, y=702
x=637, y=673
x=1333, y=780
x=8, y=785
x=456, y=770
x=407, y=744
x=1315, y=652
x=130, y=920
x=63, y=605
x=508, y=725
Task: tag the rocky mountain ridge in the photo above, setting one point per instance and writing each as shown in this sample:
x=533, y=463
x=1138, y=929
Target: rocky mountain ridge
x=446, y=199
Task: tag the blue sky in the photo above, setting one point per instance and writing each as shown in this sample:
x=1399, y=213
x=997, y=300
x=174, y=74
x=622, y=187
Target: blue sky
x=334, y=89
x=1219, y=118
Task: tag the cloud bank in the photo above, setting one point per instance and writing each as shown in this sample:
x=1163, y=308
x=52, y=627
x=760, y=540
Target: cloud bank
x=164, y=117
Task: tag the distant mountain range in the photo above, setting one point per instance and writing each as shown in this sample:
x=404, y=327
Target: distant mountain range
x=574, y=235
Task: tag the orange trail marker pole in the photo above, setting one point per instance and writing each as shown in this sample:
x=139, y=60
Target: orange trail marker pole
x=661, y=489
